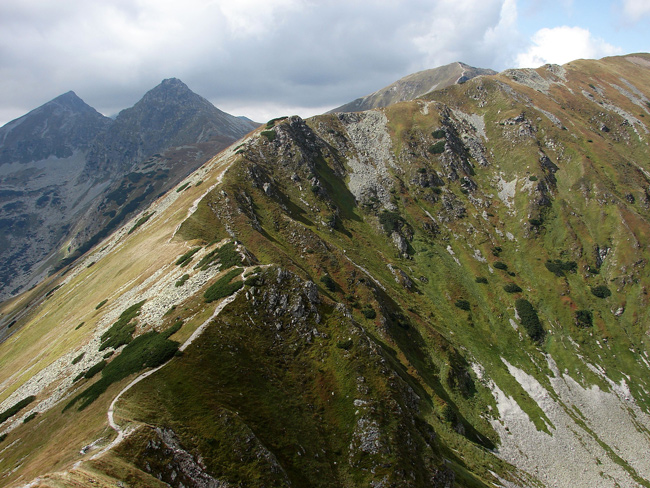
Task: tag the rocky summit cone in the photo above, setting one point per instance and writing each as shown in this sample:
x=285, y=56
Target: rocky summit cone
x=446, y=292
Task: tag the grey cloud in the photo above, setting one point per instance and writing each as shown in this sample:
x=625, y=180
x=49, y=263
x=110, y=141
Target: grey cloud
x=294, y=52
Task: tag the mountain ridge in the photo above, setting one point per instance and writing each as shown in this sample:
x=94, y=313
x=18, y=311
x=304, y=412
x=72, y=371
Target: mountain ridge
x=414, y=85
x=449, y=291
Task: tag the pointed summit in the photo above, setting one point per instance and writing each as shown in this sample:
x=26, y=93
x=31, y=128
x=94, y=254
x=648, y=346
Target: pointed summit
x=56, y=128
x=168, y=115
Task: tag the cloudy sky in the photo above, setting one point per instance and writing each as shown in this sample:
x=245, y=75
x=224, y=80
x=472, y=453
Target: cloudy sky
x=265, y=58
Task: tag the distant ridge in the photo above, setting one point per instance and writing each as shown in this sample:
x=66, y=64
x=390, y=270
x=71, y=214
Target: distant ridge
x=415, y=85
x=69, y=176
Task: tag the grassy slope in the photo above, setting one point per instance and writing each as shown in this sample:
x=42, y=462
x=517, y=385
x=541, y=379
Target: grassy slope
x=50, y=330
x=261, y=388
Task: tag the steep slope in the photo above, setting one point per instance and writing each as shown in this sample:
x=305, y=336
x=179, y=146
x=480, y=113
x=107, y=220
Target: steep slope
x=447, y=292
x=415, y=85
x=42, y=155
x=70, y=176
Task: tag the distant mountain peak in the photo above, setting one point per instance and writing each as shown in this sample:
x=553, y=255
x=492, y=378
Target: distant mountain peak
x=415, y=85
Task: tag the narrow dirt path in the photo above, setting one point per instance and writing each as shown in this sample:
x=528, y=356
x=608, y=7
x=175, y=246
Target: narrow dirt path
x=122, y=433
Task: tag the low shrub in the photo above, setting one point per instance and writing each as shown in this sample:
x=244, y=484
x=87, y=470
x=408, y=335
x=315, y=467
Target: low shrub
x=185, y=259
x=223, y=287
x=463, y=305
x=529, y=319
x=13, y=410
x=437, y=148
x=146, y=351
x=559, y=268
x=269, y=134
x=584, y=318
x=101, y=304
x=79, y=326
x=391, y=221
x=500, y=265
x=512, y=288
x=175, y=327
x=141, y=221
x=368, y=312
x=481, y=279
x=95, y=369
x=601, y=291
x=182, y=280
x=78, y=358
x=329, y=283
x=439, y=134
x=31, y=416
x=227, y=255
x=182, y=187
x=121, y=332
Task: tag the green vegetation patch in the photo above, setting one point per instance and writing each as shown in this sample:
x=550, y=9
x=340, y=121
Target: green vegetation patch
x=78, y=358
x=146, y=351
x=512, y=288
x=175, y=327
x=11, y=411
x=142, y=220
x=121, y=332
x=463, y=305
x=559, y=268
x=182, y=280
x=185, y=259
x=584, y=318
x=439, y=134
x=95, y=369
x=101, y=304
x=500, y=265
x=31, y=416
x=182, y=187
x=437, y=148
x=271, y=123
x=269, y=134
x=391, y=221
x=223, y=287
x=329, y=283
x=601, y=291
x=369, y=312
x=481, y=279
x=227, y=255
x=529, y=319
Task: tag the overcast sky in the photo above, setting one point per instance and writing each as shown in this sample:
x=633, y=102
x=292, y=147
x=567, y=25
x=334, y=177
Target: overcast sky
x=266, y=58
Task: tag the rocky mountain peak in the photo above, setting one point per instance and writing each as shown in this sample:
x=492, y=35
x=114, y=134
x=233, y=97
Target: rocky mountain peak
x=58, y=128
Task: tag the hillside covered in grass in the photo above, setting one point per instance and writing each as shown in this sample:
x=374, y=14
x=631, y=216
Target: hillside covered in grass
x=449, y=291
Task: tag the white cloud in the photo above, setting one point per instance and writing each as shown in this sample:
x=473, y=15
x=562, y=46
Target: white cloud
x=636, y=9
x=477, y=32
x=560, y=45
